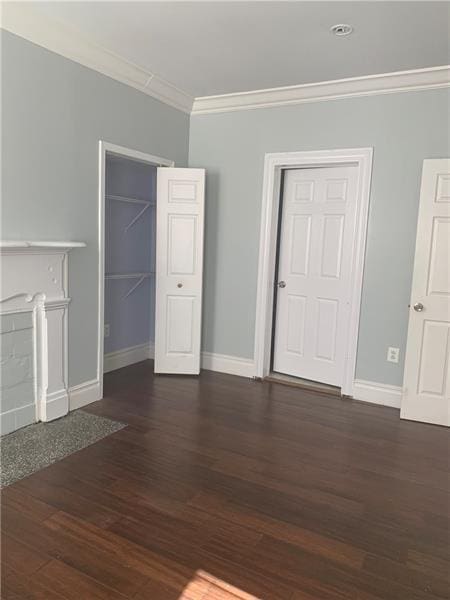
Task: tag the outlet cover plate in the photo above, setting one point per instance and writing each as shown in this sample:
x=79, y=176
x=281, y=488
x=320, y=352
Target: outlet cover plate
x=393, y=354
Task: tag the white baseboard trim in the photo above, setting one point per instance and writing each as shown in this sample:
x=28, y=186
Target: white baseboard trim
x=79, y=396
x=223, y=363
x=18, y=417
x=56, y=405
x=377, y=393
x=366, y=391
x=90, y=391
x=84, y=393
x=127, y=356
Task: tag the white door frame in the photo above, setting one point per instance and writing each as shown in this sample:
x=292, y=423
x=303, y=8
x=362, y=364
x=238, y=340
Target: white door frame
x=274, y=163
x=103, y=149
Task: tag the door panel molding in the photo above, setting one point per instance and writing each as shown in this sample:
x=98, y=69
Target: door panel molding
x=321, y=274
x=274, y=163
x=180, y=210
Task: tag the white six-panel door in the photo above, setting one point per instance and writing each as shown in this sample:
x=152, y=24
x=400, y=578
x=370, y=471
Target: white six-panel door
x=426, y=389
x=314, y=273
x=179, y=268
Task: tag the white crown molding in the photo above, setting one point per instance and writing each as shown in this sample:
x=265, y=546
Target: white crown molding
x=401, y=81
x=26, y=22
x=23, y=20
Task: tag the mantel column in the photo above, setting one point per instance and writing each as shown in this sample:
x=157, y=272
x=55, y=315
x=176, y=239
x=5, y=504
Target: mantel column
x=55, y=399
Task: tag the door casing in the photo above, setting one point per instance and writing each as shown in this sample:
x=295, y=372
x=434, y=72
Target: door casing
x=274, y=163
x=103, y=149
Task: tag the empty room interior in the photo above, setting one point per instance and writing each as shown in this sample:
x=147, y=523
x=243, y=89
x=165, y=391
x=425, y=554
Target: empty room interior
x=225, y=300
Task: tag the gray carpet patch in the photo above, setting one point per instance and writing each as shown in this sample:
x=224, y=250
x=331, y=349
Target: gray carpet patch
x=34, y=447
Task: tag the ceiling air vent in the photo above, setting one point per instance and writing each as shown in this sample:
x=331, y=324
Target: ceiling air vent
x=341, y=29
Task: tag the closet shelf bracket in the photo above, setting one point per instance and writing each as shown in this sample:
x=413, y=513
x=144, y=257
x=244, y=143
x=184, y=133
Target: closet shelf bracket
x=129, y=199
x=135, y=286
x=128, y=275
x=136, y=218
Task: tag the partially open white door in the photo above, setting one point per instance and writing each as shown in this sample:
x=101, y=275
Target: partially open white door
x=179, y=269
x=317, y=236
x=426, y=389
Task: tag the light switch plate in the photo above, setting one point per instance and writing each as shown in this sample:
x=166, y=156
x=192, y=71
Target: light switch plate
x=106, y=332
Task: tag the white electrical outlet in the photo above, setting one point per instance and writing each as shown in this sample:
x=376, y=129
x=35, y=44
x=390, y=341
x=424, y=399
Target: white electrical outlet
x=393, y=354
x=106, y=333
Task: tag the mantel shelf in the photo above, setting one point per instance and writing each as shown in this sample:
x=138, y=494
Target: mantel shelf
x=25, y=245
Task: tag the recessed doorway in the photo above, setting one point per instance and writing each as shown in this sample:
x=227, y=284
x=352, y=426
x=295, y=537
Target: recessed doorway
x=151, y=222
x=313, y=233
x=127, y=241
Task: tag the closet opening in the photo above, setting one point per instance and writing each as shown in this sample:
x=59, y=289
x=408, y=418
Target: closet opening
x=128, y=189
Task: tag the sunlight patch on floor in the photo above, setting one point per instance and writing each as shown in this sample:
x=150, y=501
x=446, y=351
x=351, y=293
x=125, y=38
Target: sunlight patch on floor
x=204, y=586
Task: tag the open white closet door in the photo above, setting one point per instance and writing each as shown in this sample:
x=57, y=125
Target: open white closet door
x=426, y=388
x=179, y=269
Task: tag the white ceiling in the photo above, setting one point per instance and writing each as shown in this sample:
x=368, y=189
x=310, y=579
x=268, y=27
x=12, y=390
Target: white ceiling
x=207, y=48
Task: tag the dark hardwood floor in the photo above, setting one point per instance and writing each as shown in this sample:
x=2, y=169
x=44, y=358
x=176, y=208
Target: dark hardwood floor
x=225, y=488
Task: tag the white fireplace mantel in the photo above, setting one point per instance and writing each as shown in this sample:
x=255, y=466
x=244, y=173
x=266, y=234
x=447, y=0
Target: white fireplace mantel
x=24, y=245
x=33, y=306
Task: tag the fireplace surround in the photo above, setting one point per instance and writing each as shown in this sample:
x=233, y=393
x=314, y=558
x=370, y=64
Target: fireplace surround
x=33, y=332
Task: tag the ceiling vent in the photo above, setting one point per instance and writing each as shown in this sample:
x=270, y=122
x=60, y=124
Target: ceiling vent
x=341, y=29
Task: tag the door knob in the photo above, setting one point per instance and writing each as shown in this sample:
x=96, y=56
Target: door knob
x=179, y=285
x=418, y=307
x=281, y=284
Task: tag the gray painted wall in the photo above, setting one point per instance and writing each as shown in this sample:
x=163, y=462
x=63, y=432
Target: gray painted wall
x=54, y=112
x=402, y=128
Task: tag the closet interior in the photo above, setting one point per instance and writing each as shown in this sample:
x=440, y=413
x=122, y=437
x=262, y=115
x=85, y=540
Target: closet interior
x=130, y=248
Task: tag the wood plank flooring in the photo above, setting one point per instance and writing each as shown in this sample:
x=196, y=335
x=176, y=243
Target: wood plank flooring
x=224, y=488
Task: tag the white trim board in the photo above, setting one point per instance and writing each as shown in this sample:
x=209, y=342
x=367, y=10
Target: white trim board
x=84, y=393
x=224, y=363
x=377, y=393
x=90, y=391
x=127, y=356
x=25, y=21
x=16, y=418
x=369, y=85
x=274, y=163
x=365, y=391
